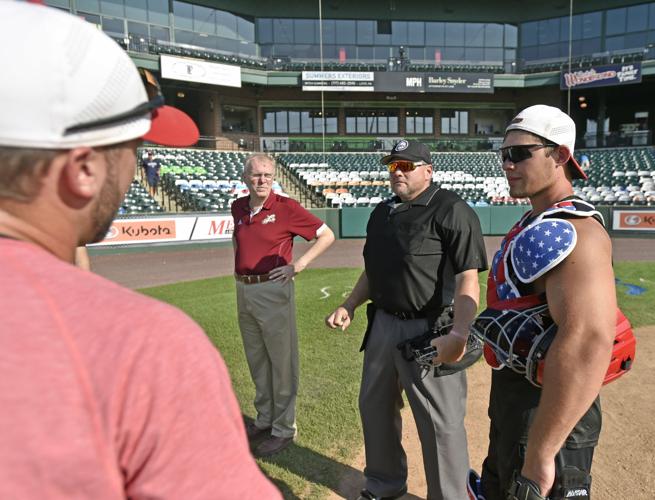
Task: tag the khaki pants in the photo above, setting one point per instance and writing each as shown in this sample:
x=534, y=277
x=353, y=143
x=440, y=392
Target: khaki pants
x=268, y=327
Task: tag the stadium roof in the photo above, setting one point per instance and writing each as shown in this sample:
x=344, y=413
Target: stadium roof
x=501, y=11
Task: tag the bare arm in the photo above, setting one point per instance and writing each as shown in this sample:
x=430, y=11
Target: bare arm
x=451, y=347
x=345, y=313
x=582, y=301
x=322, y=242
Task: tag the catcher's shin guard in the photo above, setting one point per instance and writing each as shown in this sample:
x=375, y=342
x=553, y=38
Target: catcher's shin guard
x=473, y=486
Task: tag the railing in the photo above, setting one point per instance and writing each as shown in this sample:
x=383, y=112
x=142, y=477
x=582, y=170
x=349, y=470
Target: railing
x=153, y=46
x=586, y=61
x=227, y=143
x=355, y=144
x=618, y=139
x=146, y=45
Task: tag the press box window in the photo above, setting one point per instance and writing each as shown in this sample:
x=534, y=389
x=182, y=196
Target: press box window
x=238, y=119
x=419, y=122
x=454, y=122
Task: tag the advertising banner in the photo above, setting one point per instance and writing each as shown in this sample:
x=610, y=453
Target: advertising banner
x=218, y=227
x=634, y=220
x=338, y=81
x=148, y=230
x=602, y=76
x=468, y=83
x=168, y=229
x=196, y=70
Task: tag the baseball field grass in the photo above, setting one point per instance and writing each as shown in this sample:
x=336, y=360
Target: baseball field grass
x=329, y=432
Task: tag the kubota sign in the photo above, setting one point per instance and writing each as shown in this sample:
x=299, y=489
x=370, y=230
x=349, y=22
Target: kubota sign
x=634, y=220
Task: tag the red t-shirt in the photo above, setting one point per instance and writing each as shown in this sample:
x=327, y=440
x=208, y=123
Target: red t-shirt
x=106, y=394
x=265, y=241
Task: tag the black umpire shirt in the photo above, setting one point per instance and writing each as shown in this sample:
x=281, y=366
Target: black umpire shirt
x=414, y=250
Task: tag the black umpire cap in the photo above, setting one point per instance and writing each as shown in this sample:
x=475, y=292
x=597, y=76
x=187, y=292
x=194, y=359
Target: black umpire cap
x=408, y=150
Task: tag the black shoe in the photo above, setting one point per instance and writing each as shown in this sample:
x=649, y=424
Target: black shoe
x=367, y=495
x=253, y=432
x=272, y=445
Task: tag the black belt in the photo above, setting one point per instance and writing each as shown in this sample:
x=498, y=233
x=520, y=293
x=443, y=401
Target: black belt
x=250, y=279
x=409, y=315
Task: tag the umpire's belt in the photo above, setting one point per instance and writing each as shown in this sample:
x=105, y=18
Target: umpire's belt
x=409, y=315
x=250, y=279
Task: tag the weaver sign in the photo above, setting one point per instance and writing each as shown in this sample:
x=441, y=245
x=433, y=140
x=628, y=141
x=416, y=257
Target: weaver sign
x=602, y=76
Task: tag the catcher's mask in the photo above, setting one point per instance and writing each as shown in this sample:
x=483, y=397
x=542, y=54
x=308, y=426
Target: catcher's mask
x=420, y=350
x=520, y=341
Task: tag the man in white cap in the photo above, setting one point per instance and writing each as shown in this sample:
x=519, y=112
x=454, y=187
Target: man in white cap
x=105, y=393
x=553, y=273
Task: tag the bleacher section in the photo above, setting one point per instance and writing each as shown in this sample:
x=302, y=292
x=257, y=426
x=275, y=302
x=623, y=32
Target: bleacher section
x=209, y=181
x=199, y=180
x=138, y=201
x=623, y=177
x=203, y=181
x=358, y=179
x=616, y=177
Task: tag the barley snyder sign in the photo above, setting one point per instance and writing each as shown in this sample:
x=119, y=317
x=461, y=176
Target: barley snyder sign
x=367, y=81
x=467, y=83
x=602, y=76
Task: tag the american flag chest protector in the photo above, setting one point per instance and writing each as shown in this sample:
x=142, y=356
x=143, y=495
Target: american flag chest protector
x=534, y=246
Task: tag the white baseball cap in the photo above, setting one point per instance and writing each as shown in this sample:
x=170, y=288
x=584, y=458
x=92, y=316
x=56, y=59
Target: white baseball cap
x=66, y=84
x=553, y=125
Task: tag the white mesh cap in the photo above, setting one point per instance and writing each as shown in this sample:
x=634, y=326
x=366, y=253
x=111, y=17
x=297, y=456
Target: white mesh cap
x=59, y=72
x=553, y=125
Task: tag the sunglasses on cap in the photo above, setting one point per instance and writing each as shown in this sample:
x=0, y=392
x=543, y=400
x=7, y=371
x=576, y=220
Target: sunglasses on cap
x=519, y=153
x=404, y=166
x=155, y=101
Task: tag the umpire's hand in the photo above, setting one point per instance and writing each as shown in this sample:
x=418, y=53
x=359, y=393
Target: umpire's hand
x=340, y=318
x=450, y=348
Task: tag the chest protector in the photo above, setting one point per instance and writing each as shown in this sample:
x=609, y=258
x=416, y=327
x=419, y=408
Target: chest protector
x=516, y=327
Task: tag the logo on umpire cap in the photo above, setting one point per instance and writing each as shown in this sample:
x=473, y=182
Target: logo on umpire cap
x=401, y=145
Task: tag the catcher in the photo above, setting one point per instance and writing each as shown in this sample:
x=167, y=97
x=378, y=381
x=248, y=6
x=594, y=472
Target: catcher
x=551, y=328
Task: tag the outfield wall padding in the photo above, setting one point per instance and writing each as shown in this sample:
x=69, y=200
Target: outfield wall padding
x=495, y=221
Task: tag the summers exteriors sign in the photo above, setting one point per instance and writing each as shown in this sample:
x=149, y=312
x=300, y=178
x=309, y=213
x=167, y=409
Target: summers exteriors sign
x=602, y=76
x=391, y=81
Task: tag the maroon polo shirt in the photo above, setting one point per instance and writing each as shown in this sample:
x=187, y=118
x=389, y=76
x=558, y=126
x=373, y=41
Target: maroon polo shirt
x=265, y=241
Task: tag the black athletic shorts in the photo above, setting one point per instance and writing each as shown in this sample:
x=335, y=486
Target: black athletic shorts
x=512, y=405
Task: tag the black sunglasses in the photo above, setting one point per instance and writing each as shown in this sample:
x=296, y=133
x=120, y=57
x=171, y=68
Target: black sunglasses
x=519, y=153
x=156, y=100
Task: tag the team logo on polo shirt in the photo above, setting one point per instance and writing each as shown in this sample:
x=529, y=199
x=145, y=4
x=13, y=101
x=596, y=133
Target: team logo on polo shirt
x=269, y=219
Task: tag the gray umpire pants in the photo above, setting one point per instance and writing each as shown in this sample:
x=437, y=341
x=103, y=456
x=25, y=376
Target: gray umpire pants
x=438, y=405
x=267, y=322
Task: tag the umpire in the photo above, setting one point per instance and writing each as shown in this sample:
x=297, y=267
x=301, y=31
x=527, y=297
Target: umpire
x=423, y=252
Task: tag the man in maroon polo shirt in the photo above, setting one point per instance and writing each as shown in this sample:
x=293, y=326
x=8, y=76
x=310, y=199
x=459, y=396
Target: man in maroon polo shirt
x=265, y=224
